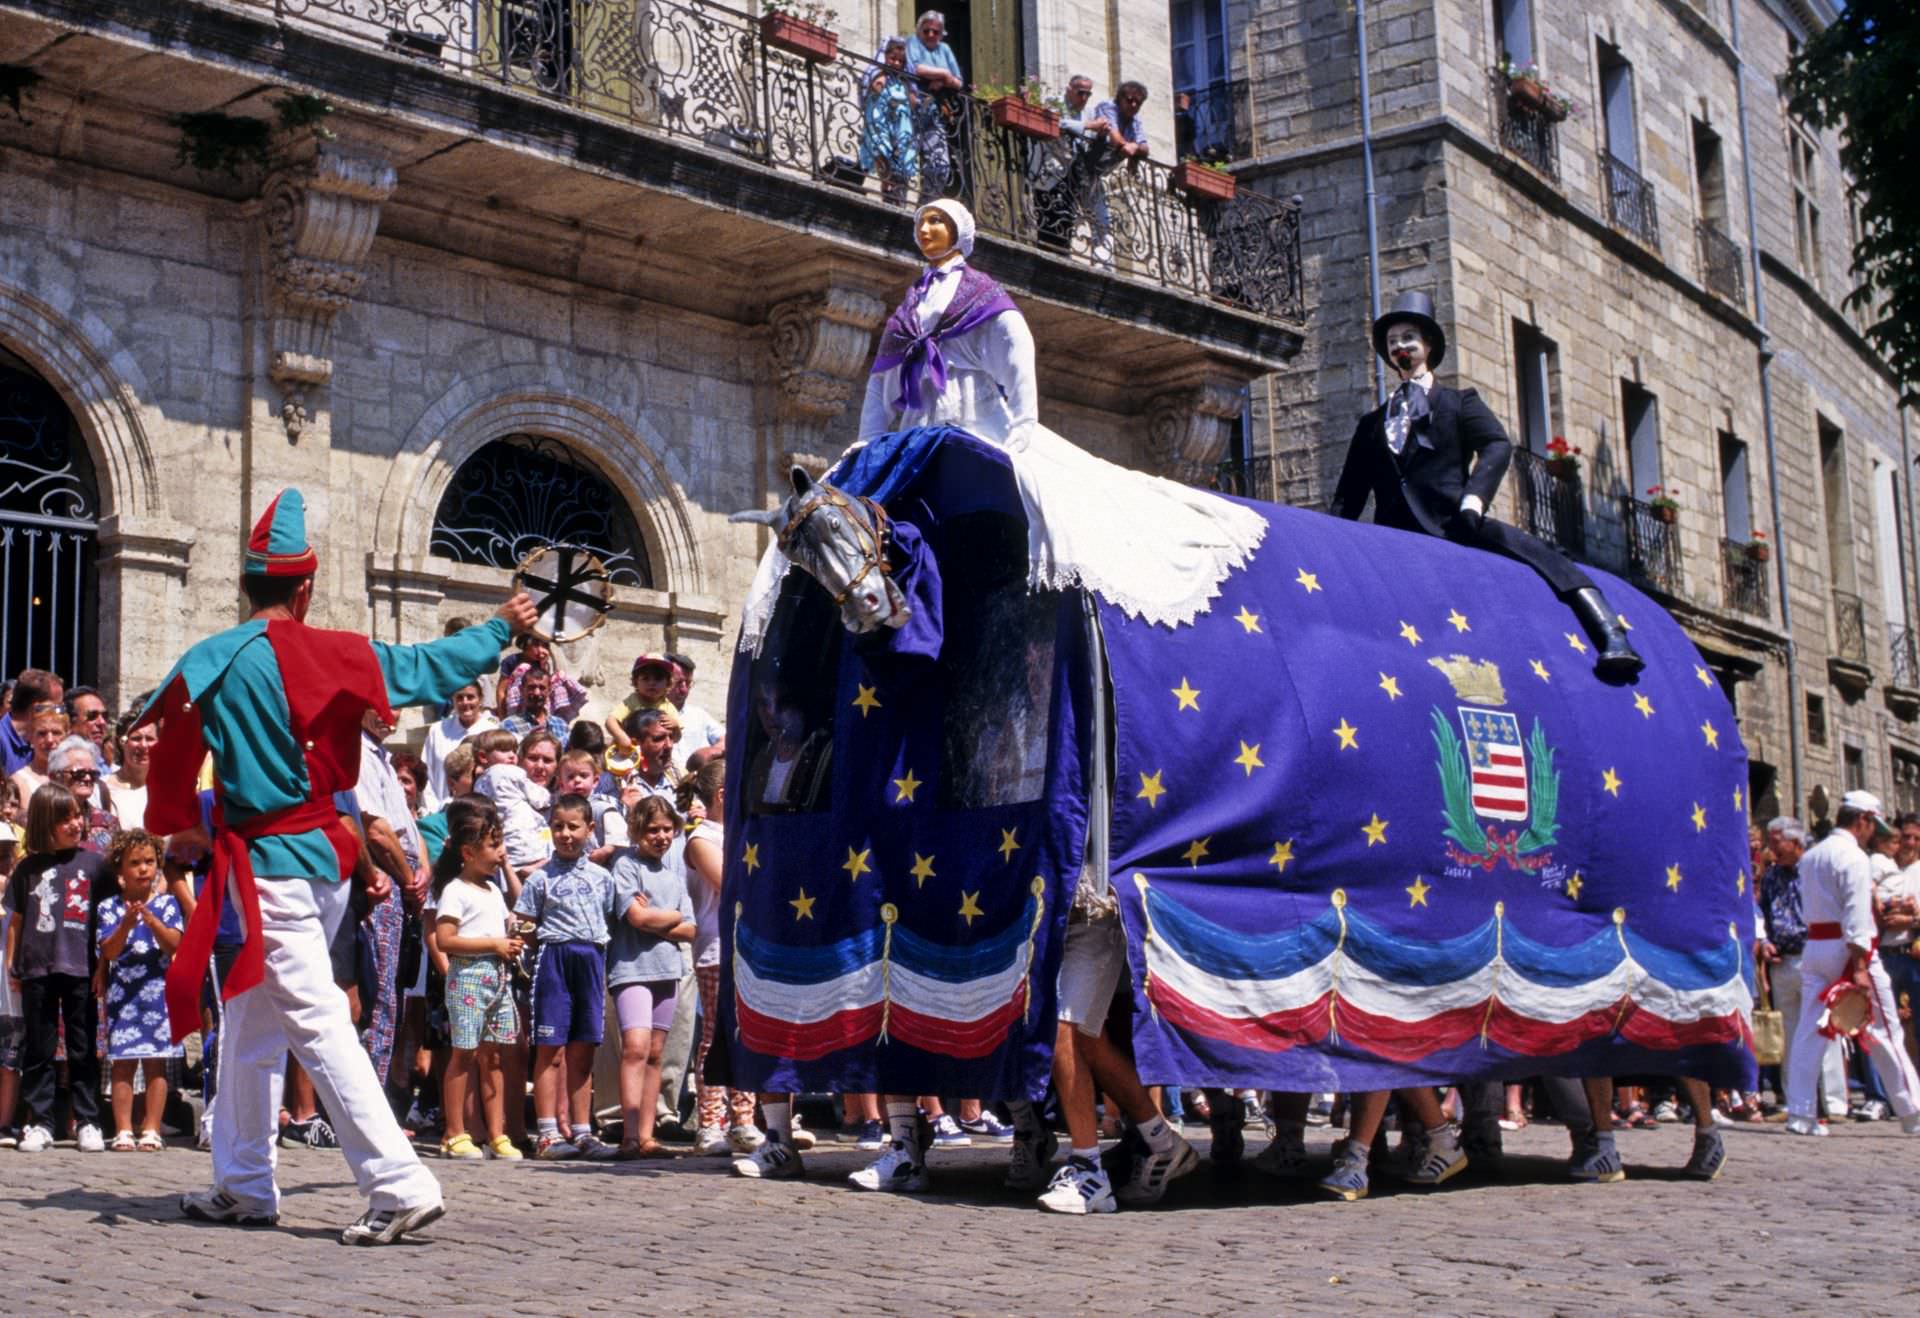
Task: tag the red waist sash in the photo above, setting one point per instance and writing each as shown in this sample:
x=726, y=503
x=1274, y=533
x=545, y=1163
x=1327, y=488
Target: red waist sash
x=231, y=859
x=1823, y=929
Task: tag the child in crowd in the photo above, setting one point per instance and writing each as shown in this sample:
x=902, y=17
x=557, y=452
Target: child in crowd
x=521, y=802
x=652, y=681
x=572, y=899
x=50, y=948
x=138, y=932
x=10, y=1028
x=643, y=965
x=579, y=775
x=470, y=923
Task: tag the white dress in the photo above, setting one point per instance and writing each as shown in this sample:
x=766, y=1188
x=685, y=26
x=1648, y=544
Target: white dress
x=1154, y=548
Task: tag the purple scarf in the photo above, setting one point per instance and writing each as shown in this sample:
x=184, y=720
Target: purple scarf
x=918, y=354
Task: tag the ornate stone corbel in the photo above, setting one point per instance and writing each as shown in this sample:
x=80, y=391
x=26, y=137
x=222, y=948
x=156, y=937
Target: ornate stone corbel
x=1189, y=429
x=820, y=343
x=321, y=211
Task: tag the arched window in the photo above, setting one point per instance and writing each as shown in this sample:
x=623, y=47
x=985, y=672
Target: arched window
x=49, y=520
x=517, y=494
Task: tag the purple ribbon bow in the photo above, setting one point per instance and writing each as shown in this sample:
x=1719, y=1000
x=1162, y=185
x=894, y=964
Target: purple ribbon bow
x=917, y=352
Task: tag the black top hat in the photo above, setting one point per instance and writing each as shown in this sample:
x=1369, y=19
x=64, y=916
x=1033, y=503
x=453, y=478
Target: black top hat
x=1416, y=307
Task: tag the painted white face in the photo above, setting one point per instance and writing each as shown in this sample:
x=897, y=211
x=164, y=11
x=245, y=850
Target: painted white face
x=1406, y=349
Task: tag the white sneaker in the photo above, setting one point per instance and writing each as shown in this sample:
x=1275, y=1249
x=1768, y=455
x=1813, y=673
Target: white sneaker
x=1154, y=1171
x=711, y=1141
x=894, y=1171
x=1079, y=1188
x=1794, y=1126
x=203, y=1141
x=799, y=1136
x=36, y=1139
x=745, y=1139
x=91, y=1140
x=1441, y=1158
x=772, y=1161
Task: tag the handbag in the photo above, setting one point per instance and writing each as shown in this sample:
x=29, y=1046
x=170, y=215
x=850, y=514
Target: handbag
x=1769, y=1035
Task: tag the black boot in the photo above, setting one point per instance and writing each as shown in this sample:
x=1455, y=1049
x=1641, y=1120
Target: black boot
x=1617, y=661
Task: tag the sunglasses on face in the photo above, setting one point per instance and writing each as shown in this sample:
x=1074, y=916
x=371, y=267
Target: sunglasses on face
x=79, y=775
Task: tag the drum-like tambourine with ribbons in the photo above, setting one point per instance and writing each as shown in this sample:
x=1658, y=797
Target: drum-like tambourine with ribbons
x=571, y=588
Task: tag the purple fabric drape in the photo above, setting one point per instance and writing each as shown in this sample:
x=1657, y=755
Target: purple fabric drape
x=917, y=353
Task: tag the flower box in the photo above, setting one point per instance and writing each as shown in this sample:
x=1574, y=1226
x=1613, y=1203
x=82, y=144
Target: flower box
x=1665, y=512
x=1023, y=116
x=796, y=36
x=1199, y=181
x=1532, y=95
x=1564, y=469
x=1759, y=551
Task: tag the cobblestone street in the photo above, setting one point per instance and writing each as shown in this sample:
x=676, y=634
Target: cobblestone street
x=1792, y=1225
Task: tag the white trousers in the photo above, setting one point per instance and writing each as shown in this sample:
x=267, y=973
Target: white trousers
x=1785, y=982
x=1822, y=963
x=298, y=1008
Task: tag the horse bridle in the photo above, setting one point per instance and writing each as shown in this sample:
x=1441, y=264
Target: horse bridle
x=863, y=513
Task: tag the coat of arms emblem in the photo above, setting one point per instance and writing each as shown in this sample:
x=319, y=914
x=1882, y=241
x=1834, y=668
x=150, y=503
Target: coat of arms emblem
x=1488, y=777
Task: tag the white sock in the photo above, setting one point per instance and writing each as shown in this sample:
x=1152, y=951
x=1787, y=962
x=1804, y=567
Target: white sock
x=1091, y=1155
x=550, y=1126
x=903, y=1120
x=1026, y=1118
x=779, y=1120
x=1155, y=1131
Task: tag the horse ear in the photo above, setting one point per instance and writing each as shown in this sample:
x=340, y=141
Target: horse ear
x=760, y=516
x=801, y=481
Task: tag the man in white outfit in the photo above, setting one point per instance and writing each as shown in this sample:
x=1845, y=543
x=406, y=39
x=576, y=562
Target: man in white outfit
x=1836, y=893
x=1783, y=939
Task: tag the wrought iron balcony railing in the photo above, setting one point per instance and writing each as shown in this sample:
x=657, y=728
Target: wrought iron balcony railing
x=1218, y=121
x=1849, y=627
x=1525, y=131
x=1906, y=658
x=1630, y=203
x=1250, y=478
x=1551, y=505
x=1743, y=579
x=1653, y=546
x=1722, y=264
x=704, y=71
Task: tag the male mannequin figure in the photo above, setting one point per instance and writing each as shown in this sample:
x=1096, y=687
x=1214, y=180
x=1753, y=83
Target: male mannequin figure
x=1432, y=459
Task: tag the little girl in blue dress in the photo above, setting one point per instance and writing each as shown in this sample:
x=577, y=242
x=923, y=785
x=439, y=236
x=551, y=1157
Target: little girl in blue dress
x=138, y=932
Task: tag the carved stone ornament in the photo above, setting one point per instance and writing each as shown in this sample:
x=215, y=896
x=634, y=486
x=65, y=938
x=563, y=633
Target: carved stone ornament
x=1188, y=430
x=821, y=344
x=321, y=212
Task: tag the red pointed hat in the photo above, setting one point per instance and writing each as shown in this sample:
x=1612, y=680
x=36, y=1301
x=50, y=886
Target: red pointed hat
x=278, y=546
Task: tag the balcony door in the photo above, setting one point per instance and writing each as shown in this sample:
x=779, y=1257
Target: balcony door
x=1616, y=104
x=985, y=36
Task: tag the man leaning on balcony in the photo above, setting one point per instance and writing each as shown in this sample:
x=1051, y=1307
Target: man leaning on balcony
x=1122, y=141
x=1432, y=459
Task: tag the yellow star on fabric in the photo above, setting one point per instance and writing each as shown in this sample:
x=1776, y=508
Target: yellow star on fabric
x=1390, y=685
x=1458, y=620
x=1282, y=855
x=970, y=907
x=1188, y=697
x=1673, y=877
x=1740, y=884
x=1711, y=733
x=1248, y=620
x=1576, y=642
x=1196, y=851
x=1641, y=703
x=1539, y=670
x=1610, y=782
x=1699, y=817
x=865, y=700
x=1346, y=733
x=1249, y=758
x=1376, y=831
x=1410, y=633
x=922, y=869
x=1417, y=894
x=751, y=857
x=1307, y=579
x=1151, y=788
x=906, y=787
x=1706, y=678
x=803, y=906
x=1008, y=844
x=1574, y=885
x=1736, y=798
x=1623, y=621
x=856, y=863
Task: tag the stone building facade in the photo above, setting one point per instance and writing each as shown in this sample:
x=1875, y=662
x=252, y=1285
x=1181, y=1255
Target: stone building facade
x=478, y=275
x=1599, y=281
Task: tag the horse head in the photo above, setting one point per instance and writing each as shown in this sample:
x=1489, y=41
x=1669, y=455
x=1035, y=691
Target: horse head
x=839, y=540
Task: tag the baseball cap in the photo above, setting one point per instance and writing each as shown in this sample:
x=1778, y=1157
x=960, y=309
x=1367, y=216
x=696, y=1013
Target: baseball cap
x=652, y=661
x=1868, y=804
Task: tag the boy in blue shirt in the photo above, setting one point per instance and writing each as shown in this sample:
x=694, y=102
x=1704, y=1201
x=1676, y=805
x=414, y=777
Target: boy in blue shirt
x=571, y=900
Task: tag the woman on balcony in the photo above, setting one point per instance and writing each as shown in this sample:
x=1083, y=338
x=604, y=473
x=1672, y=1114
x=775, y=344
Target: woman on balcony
x=886, y=131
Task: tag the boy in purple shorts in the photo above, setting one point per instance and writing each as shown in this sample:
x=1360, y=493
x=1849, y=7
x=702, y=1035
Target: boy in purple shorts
x=570, y=900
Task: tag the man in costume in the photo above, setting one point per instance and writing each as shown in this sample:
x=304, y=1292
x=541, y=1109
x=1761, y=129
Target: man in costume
x=278, y=706
x=1836, y=894
x=1432, y=459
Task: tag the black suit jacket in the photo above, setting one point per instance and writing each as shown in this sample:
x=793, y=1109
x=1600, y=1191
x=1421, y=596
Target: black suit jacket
x=1459, y=448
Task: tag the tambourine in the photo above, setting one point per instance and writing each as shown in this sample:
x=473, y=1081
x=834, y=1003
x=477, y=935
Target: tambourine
x=571, y=588
x=1849, y=1010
